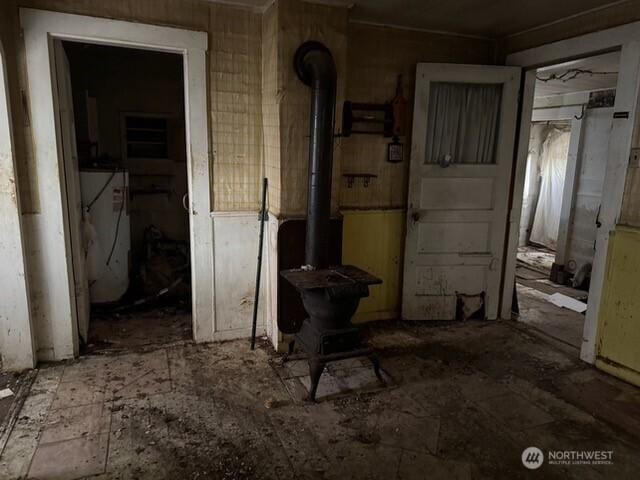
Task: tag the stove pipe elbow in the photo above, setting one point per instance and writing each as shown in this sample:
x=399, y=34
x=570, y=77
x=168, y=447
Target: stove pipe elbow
x=314, y=65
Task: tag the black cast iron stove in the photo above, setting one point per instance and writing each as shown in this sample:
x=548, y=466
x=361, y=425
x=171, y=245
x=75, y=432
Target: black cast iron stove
x=330, y=294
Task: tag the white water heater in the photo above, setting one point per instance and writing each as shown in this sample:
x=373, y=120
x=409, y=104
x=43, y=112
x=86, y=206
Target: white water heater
x=106, y=232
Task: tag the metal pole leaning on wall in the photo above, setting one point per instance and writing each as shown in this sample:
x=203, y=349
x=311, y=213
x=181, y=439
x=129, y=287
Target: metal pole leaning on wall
x=263, y=214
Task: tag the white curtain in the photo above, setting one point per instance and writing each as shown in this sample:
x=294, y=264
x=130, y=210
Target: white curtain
x=553, y=166
x=462, y=122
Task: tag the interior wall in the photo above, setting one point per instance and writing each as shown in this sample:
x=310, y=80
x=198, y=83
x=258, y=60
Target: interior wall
x=16, y=74
x=271, y=106
x=129, y=80
x=235, y=85
x=618, y=333
x=374, y=241
x=17, y=343
x=538, y=133
x=377, y=55
x=630, y=214
x=298, y=22
x=588, y=191
x=618, y=330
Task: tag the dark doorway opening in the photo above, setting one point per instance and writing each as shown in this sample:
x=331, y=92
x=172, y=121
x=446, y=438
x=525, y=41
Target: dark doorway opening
x=129, y=115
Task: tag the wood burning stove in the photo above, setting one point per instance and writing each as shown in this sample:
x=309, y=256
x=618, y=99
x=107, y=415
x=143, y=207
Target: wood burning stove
x=330, y=294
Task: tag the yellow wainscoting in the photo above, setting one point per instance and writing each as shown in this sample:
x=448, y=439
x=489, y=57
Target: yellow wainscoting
x=618, y=348
x=374, y=241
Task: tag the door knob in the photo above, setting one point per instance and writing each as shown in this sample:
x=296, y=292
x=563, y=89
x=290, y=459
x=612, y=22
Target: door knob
x=415, y=216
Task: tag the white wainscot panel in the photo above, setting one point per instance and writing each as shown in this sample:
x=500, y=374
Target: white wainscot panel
x=235, y=256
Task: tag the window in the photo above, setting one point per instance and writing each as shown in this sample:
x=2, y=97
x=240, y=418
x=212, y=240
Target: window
x=145, y=136
x=462, y=123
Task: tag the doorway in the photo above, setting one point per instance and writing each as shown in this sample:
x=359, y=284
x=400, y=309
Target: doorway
x=461, y=159
x=123, y=119
x=562, y=195
x=57, y=311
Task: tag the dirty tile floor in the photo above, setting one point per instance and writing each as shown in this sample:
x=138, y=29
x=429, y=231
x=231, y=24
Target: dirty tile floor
x=467, y=399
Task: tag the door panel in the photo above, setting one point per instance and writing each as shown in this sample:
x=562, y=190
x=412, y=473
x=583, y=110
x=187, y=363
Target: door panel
x=72, y=185
x=453, y=237
x=461, y=161
x=442, y=193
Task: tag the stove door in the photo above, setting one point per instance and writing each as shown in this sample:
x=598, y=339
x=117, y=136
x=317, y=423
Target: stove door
x=461, y=161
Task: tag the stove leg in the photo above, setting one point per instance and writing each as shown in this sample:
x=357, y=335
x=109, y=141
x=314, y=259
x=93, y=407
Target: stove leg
x=376, y=367
x=315, y=372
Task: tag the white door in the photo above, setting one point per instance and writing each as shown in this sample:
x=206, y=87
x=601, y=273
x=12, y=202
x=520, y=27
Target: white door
x=461, y=159
x=72, y=184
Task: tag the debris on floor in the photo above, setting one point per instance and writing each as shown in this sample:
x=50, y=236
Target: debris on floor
x=15, y=387
x=559, y=323
x=163, y=324
x=165, y=266
x=468, y=399
x=539, y=258
x=6, y=392
x=565, y=301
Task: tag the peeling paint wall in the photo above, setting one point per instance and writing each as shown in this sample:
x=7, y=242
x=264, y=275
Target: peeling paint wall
x=16, y=72
x=618, y=329
x=17, y=342
x=630, y=214
x=588, y=190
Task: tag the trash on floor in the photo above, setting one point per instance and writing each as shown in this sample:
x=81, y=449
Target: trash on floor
x=5, y=393
x=565, y=301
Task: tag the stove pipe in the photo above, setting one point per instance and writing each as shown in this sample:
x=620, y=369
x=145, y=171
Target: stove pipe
x=315, y=67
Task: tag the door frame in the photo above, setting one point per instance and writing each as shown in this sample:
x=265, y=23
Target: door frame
x=625, y=38
x=51, y=233
x=17, y=343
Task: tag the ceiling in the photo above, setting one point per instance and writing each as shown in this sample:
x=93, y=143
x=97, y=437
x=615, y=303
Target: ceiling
x=583, y=82
x=484, y=18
